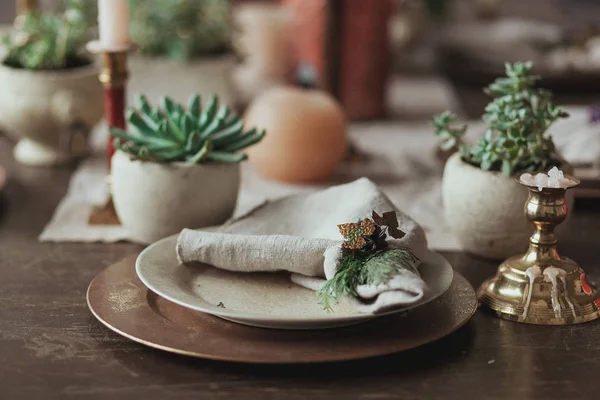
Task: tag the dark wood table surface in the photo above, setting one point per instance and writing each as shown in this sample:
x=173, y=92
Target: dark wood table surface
x=51, y=347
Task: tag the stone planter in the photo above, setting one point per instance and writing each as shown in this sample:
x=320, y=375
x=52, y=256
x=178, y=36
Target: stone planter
x=485, y=210
x=50, y=112
x=155, y=200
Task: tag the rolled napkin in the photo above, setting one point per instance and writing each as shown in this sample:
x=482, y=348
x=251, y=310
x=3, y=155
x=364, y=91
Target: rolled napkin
x=299, y=234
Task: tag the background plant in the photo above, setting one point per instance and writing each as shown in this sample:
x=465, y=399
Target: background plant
x=518, y=118
x=169, y=132
x=46, y=41
x=180, y=29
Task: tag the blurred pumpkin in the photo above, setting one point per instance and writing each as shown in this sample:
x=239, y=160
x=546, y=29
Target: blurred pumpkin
x=306, y=134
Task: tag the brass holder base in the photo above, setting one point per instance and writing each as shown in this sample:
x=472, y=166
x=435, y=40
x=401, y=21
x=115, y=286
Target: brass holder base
x=104, y=215
x=507, y=295
x=540, y=287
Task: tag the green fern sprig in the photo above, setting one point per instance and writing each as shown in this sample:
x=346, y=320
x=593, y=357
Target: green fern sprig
x=363, y=267
x=170, y=133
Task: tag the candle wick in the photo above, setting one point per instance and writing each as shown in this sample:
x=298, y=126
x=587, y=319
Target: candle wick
x=307, y=76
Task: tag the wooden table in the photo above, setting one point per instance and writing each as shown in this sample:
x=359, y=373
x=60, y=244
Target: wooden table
x=52, y=348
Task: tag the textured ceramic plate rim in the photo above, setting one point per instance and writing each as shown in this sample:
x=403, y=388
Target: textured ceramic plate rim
x=100, y=286
x=269, y=321
x=3, y=178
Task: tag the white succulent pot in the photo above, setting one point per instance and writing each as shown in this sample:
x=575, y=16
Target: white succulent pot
x=155, y=200
x=51, y=113
x=485, y=210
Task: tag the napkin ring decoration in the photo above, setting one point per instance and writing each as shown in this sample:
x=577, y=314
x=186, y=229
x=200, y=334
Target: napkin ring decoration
x=366, y=258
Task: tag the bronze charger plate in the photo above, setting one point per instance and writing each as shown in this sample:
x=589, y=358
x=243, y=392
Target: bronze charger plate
x=2, y=178
x=119, y=300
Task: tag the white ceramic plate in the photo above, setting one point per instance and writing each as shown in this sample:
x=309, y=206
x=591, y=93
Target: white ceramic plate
x=267, y=300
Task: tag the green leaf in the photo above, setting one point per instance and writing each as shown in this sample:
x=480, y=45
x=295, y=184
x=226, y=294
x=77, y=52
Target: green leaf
x=139, y=139
x=143, y=126
x=193, y=141
x=226, y=157
x=381, y=267
x=229, y=135
x=448, y=145
x=246, y=140
x=156, y=115
x=507, y=167
x=143, y=104
x=202, y=153
x=217, y=122
x=119, y=133
x=186, y=124
x=174, y=130
x=208, y=114
x=167, y=105
x=194, y=106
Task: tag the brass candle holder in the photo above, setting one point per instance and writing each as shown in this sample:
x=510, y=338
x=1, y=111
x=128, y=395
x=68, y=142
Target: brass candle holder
x=541, y=287
x=113, y=76
x=24, y=6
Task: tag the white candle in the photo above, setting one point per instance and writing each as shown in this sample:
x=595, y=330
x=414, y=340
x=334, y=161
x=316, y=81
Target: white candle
x=262, y=38
x=112, y=22
x=554, y=179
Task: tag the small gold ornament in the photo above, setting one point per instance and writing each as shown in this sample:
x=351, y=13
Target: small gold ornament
x=354, y=233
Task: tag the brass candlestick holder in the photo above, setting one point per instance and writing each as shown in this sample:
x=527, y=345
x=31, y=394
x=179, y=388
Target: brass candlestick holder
x=541, y=287
x=113, y=76
x=24, y=6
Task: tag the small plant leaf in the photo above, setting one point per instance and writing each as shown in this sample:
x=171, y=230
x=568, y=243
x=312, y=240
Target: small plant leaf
x=202, y=153
x=389, y=220
x=245, y=140
x=229, y=135
x=194, y=106
x=226, y=157
x=167, y=104
x=208, y=114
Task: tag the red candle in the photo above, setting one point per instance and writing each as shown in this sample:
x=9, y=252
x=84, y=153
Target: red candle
x=347, y=42
x=114, y=102
x=114, y=77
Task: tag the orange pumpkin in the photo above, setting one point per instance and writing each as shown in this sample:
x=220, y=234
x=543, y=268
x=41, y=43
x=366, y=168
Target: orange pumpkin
x=306, y=134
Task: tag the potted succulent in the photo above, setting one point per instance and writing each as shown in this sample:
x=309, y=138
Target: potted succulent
x=180, y=29
x=51, y=96
x=187, y=40
x=483, y=203
x=177, y=168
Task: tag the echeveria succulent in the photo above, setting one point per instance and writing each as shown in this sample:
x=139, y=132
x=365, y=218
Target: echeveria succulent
x=170, y=133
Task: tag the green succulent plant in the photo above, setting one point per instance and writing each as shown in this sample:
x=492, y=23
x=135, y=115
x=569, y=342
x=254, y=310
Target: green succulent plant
x=518, y=118
x=44, y=41
x=180, y=29
x=169, y=133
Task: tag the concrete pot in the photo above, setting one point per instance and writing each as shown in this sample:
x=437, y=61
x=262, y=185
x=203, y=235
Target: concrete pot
x=154, y=200
x=485, y=210
x=51, y=113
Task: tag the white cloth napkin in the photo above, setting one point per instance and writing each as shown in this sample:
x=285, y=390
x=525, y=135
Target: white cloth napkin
x=299, y=234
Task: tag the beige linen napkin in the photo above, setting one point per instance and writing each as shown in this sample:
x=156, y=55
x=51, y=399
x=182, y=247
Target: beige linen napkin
x=299, y=234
